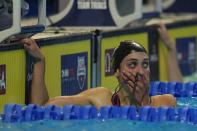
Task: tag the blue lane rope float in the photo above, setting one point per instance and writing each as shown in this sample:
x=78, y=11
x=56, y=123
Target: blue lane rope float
x=129, y=112
x=79, y=112
x=15, y=113
x=177, y=89
x=31, y=112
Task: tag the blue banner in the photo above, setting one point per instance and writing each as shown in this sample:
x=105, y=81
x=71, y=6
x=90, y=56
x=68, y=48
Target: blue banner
x=97, y=13
x=88, y=13
x=74, y=70
x=180, y=6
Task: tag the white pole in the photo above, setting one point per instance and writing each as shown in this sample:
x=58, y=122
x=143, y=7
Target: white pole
x=42, y=12
x=158, y=5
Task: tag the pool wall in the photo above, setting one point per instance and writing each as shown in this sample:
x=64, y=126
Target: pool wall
x=92, y=49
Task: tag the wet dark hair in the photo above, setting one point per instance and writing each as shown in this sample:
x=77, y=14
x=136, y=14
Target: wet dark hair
x=126, y=47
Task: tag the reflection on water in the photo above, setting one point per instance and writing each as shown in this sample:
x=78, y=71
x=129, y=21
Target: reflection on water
x=187, y=102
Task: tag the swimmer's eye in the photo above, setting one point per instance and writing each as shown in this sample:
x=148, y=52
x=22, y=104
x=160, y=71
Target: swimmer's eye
x=145, y=64
x=132, y=64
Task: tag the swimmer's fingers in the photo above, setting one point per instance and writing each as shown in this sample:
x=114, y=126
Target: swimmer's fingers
x=128, y=78
x=31, y=46
x=26, y=43
x=129, y=82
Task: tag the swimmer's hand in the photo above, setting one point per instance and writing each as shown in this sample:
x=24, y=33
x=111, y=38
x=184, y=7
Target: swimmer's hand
x=31, y=46
x=137, y=85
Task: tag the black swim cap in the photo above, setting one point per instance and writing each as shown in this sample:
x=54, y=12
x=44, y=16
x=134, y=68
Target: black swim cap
x=126, y=47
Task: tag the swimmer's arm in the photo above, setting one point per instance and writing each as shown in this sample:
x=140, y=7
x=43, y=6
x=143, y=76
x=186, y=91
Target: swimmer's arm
x=68, y=100
x=39, y=94
x=174, y=73
x=170, y=99
x=97, y=97
x=163, y=100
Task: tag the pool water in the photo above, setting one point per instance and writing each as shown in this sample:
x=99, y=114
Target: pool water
x=97, y=125
x=105, y=125
x=187, y=102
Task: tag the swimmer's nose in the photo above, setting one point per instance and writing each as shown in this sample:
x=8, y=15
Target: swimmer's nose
x=138, y=76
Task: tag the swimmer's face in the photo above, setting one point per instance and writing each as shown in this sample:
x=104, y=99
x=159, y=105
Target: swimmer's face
x=136, y=63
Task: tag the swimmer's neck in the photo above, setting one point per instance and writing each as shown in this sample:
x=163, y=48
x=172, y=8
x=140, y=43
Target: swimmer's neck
x=128, y=99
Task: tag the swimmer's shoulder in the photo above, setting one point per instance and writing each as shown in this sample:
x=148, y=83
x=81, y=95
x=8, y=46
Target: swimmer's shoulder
x=99, y=96
x=97, y=90
x=163, y=100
